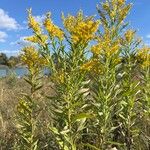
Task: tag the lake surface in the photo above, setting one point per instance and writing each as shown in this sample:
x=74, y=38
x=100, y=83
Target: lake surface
x=19, y=72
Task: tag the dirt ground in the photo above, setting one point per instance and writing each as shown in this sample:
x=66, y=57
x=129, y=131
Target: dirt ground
x=12, y=89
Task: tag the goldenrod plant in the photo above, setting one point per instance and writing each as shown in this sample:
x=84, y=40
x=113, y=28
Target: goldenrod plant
x=143, y=57
x=130, y=86
x=27, y=107
x=68, y=106
x=106, y=63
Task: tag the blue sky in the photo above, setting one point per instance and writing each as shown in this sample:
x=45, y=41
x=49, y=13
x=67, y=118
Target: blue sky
x=13, y=16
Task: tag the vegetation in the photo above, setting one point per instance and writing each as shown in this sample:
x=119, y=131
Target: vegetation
x=10, y=62
x=3, y=59
x=99, y=83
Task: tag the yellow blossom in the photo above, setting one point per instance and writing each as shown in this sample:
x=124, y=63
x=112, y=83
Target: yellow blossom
x=92, y=65
x=106, y=6
x=120, y=2
x=59, y=77
x=112, y=14
x=32, y=58
x=115, y=46
x=81, y=29
x=52, y=29
x=41, y=39
x=122, y=12
x=96, y=49
x=129, y=35
x=32, y=23
x=144, y=56
x=105, y=45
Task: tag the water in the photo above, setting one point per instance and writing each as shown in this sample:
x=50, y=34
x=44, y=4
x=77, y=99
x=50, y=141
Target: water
x=20, y=71
x=17, y=71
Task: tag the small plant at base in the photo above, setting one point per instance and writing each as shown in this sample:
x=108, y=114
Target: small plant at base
x=26, y=109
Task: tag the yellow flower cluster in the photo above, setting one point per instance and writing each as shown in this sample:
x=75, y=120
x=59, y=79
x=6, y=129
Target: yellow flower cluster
x=32, y=58
x=113, y=14
x=116, y=10
x=121, y=2
x=92, y=65
x=32, y=23
x=96, y=49
x=106, y=46
x=129, y=35
x=59, y=77
x=115, y=47
x=106, y=6
x=122, y=13
x=144, y=56
x=35, y=39
x=118, y=2
x=81, y=29
x=52, y=29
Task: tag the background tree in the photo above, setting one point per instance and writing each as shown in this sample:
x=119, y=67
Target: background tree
x=3, y=59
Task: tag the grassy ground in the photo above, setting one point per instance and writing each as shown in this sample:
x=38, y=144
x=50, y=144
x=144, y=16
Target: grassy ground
x=11, y=89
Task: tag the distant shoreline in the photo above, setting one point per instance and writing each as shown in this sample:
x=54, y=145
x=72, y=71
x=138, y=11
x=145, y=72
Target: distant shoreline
x=17, y=66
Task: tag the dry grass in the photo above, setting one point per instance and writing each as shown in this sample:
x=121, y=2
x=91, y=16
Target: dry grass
x=11, y=89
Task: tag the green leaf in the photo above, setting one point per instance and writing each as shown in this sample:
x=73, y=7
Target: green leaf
x=81, y=116
x=115, y=143
x=54, y=130
x=81, y=125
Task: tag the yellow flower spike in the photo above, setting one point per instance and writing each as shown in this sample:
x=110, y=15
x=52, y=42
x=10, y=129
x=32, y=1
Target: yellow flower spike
x=123, y=12
x=144, y=56
x=81, y=29
x=114, y=48
x=32, y=58
x=106, y=6
x=105, y=45
x=96, y=49
x=92, y=66
x=89, y=65
x=42, y=39
x=129, y=35
x=114, y=3
x=112, y=14
x=52, y=29
x=118, y=3
x=59, y=77
x=33, y=39
x=121, y=2
x=68, y=22
x=32, y=23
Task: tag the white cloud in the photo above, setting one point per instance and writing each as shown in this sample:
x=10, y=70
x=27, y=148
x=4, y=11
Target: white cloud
x=7, y=22
x=148, y=36
x=3, y=36
x=22, y=42
x=38, y=18
x=9, y=52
